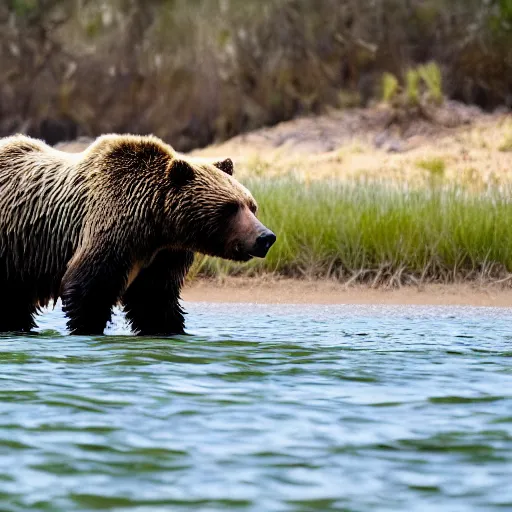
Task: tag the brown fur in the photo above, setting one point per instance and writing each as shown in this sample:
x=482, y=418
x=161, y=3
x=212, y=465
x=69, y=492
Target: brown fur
x=118, y=222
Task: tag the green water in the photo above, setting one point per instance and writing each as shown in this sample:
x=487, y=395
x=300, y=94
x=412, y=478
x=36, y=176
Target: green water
x=264, y=408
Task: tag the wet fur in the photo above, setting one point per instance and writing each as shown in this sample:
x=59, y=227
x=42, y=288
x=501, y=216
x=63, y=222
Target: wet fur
x=81, y=226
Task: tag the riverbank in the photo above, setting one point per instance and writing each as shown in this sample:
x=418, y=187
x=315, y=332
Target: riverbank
x=296, y=291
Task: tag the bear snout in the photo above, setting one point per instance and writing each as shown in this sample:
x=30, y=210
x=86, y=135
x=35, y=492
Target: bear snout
x=249, y=238
x=263, y=243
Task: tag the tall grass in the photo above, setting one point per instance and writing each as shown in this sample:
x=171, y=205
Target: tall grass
x=378, y=233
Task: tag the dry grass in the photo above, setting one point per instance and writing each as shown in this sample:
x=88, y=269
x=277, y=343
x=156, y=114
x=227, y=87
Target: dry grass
x=474, y=156
x=506, y=144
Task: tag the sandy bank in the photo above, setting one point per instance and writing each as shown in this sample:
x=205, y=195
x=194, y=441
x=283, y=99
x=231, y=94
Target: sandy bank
x=289, y=291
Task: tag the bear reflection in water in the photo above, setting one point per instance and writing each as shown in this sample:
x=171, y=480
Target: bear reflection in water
x=119, y=222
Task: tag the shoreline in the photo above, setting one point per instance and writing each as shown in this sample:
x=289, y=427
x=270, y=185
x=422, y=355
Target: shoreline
x=295, y=291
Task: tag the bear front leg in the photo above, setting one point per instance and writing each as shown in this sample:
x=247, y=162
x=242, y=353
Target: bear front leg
x=91, y=286
x=17, y=307
x=151, y=303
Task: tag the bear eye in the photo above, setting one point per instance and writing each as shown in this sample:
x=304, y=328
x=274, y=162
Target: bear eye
x=230, y=208
x=253, y=208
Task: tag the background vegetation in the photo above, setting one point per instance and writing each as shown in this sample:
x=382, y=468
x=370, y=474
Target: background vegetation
x=195, y=71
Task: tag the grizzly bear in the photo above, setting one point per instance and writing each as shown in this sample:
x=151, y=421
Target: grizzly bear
x=119, y=222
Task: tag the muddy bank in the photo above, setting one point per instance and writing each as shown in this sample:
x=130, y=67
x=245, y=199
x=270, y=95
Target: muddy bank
x=290, y=291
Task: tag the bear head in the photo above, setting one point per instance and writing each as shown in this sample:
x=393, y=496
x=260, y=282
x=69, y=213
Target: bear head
x=213, y=213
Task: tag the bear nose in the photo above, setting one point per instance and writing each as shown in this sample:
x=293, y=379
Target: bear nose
x=263, y=243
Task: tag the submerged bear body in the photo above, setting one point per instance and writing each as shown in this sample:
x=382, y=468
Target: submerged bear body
x=119, y=222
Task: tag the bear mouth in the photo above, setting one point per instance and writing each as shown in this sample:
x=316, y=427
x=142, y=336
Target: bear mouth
x=239, y=254
x=242, y=257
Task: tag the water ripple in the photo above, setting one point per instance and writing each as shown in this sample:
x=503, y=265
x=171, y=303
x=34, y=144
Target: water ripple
x=262, y=408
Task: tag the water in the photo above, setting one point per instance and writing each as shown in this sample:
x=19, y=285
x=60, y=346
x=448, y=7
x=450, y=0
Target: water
x=264, y=408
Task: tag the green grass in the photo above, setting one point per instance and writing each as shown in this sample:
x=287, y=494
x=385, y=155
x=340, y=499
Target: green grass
x=506, y=145
x=412, y=91
x=431, y=75
x=436, y=166
x=378, y=233
x=426, y=78
x=390, y=87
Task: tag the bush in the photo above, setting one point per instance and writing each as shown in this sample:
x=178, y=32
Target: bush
x=197, y=71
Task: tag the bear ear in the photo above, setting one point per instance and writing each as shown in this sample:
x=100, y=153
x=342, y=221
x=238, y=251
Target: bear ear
x=180, y=172
x=225, y=166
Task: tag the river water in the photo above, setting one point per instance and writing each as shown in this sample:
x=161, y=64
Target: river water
x=263, y=408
